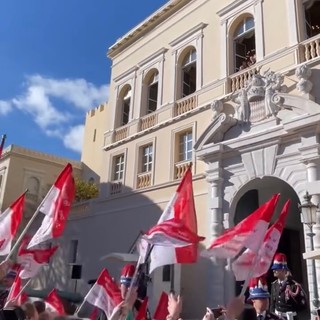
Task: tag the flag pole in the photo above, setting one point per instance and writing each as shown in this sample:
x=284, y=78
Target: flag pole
x=83, y=302
x=24, y=231
x=20, y=292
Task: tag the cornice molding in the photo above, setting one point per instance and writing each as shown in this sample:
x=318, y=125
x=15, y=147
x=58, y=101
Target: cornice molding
x=153, y=20
x=158, y=55
x=128, y=73
x=188, y=34
x=14, y=150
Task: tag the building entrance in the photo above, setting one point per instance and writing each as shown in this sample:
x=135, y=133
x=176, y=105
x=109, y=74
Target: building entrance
x=253, y=195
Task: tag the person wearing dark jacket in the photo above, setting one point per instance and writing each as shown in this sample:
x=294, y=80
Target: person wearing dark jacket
x=287, y=295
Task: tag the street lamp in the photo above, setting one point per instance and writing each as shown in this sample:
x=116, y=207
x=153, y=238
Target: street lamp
x=308, y=217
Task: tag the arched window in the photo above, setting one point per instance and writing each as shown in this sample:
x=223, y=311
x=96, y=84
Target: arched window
x=152, y=91
x=312, y=18
x=244, y=44
x=189, y=72
x=125, y=102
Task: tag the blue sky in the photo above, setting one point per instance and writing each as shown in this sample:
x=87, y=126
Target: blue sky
x=54, y=67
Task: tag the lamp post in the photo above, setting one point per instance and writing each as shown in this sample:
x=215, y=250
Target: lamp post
x=308, y=217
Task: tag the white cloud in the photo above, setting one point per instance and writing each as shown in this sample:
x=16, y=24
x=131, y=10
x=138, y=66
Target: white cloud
x=74, y=138
x=79, y=92
x=56, y=104
x=5, y=107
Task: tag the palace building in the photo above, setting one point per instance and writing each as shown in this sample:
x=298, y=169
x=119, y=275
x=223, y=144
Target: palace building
x=234, y=88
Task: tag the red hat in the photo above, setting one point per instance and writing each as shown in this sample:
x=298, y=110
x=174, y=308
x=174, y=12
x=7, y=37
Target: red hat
x=280, y=262
x=127, y=273
x=258, y=288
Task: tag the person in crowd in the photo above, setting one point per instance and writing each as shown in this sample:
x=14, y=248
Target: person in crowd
x=7, y=282
x=40, y=306
x=30, y=311
x=174, y=306
x=244, y=65
x=259, y=296
x=287, y=295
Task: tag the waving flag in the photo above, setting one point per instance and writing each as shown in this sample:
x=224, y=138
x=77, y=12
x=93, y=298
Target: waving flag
x=249, y=233
x=171, y=233
x=162, y=308
x=181, y=207
x=56, y=207
x=55, y=302
x=15, y=292
x=31, y=261
x=9, y=222
x=260, y=261
x=104, y=294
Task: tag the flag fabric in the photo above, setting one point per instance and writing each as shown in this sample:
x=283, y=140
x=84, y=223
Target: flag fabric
x=141, y=315
x=104, y=294
x=170, y=233
x=259, y=261
x=15, y=292
x=3, y=140
x=162, y=308
x=249, y=233
x=55, y=302
x=181, y=207
x=56, y=207
x=31, y=261
x=9, y=223
x=94, y=314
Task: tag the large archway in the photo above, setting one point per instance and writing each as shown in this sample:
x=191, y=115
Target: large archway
x=255, y=193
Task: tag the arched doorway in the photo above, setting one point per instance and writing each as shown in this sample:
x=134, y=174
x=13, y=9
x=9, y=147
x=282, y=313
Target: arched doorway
x=253, y=195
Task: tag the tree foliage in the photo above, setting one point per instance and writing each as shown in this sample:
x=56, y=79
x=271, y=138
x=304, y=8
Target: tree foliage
x=85, y=190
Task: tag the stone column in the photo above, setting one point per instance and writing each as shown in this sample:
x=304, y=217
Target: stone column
x=215, y=223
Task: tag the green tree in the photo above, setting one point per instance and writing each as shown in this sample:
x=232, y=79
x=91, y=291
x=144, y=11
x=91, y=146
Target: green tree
x=85, y=190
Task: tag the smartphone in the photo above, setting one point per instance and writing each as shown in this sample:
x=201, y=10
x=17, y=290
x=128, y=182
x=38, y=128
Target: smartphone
x=217, y=312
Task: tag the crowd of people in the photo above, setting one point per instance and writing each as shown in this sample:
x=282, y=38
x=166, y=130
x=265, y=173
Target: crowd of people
x=285, y=301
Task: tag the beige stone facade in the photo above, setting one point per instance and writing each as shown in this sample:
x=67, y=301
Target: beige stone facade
x=22, y=169
x=231, y=86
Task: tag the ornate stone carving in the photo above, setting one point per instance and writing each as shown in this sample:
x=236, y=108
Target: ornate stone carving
x=216, y=107
x=243, y=110
x=255, y=99
x=303, y=73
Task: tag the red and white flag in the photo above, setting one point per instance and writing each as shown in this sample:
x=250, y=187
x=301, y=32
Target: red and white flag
x=162, y=308
x=9, y=223
x=181, y=207
x=55, y=302
x=259, y=261
x=15, y=292
x=171, y=233
x=104, y=294
x=249, y=233
x=56, y=207
x=31, y=261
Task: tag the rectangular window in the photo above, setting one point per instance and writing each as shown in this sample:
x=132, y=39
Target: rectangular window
x=94, y=135
x=185, y=146
x=73, y=251
x=147, y=158
x=118, y=168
